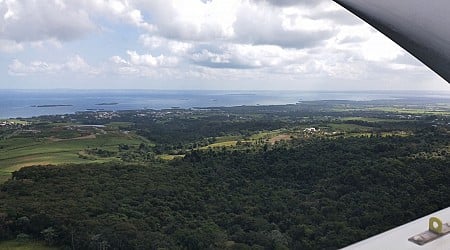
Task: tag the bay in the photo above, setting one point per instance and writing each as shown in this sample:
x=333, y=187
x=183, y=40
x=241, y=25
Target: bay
x=30, y=103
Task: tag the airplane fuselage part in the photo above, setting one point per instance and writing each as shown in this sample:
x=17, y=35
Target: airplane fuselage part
x=419, y=26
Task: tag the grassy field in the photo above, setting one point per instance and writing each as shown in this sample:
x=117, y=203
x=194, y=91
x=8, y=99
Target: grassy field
x=14, y=121
x=265, y=135
x=16, y=153
x=16, y=245
x=221, y=144
x=168, y=157
x=413, y=110
x=368, y=119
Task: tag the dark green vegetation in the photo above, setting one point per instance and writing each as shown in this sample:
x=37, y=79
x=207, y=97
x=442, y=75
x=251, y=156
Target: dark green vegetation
x=244, y=178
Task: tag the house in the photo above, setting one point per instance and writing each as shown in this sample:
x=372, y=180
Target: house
x=310, y=130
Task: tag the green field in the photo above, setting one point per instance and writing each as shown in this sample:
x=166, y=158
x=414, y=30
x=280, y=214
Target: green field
x=221, y=144
x=412, y=110
x=232, y=141
x=368, y=119
x=19, y=152
x=16, y=121
x=16, y=245
x=167, y=157
x=265, y=135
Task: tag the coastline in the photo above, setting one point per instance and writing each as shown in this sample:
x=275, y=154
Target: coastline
x=32, y=103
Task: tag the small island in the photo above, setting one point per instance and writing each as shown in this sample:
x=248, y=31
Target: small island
x=95, y=109
x=51, y=105
x=107, y=104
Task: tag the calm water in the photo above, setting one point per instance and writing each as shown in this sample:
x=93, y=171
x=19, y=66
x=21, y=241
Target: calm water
x=23, y=103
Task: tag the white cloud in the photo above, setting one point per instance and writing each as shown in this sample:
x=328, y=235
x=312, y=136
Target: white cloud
x=151, y=61
x=284, y=3
x=75, y=64
x=179, y=48
x=219, y=40
x=379, y=48
x=172, y=46
x=152, y=42
x=25, y=21
x=120, y=10
x=192, y=20
x=143, y=65
x=246, y=56
x=8, y=46
x=287, y=27
x=19, y=68
x=63, y=20
x=119, y=61
x=236, y=21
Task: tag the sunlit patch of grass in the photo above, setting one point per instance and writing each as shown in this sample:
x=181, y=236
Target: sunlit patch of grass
x=369, y=119
x=17, y=245
x=221, y=144
x=16, y=153
x=168, y=157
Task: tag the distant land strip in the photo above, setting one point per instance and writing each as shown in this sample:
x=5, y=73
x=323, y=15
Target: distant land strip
x=51, y=105
x=106, y=103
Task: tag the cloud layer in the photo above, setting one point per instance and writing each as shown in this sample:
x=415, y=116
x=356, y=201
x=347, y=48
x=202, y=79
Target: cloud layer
x=196, y=40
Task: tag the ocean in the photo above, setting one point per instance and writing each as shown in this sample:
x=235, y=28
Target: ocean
x=30, y=103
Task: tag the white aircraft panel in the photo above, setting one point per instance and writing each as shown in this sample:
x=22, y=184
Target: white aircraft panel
x=397, y=238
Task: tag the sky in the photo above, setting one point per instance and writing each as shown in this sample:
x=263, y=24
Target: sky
x=199, y=44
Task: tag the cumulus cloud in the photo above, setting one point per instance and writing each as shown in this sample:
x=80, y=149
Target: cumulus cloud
x=135, y=63
x=285, y=3
x=75, y=64
x=120, y=10
x=25, y=21
x=19, y=68
x=172, y=46
x=252, y=22
x=63, y=20
x=146, y=65
x=151, y=61
x=287, y=28
x=279, y=40
x=192, y=20
x=380, y=49
x=9, y=46
x=245, y=56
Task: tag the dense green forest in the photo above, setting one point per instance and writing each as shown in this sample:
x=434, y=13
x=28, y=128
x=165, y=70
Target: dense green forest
x=307, y=176
x=315, y=194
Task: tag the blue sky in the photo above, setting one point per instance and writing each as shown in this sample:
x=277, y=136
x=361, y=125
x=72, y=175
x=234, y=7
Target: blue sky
x=199, y=44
